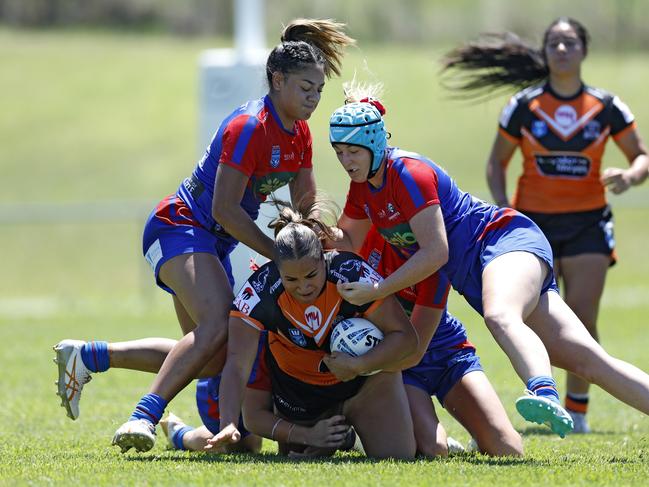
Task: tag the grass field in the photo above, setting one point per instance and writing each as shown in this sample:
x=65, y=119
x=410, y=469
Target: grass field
x=96, y=120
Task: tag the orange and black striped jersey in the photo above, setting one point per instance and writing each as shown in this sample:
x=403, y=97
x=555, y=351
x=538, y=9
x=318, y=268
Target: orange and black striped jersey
x=299, y=333
x=562, y=141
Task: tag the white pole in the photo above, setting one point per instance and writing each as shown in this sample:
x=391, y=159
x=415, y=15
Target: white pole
x=228, y=78
x=248, y=28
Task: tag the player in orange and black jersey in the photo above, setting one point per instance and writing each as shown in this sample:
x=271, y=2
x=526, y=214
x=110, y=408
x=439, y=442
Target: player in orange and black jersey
x=295, y=298
x=561, y=126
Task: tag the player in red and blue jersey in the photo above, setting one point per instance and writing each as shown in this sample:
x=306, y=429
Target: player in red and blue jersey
x=496, y=257
x=445, y=365
x=188, y=237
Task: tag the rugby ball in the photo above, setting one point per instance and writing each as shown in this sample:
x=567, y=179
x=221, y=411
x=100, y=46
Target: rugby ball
x=355, y=336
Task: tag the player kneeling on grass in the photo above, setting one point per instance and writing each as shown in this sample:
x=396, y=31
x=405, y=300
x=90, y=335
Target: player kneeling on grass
x=257, y=409
x=445, y=365
x=296, y=299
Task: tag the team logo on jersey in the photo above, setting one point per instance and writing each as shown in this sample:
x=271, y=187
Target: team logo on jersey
x=297, y=337
x=275, y=156
x=350, y=265
x=539, y=128
x=390, y=208
x=247, y=299
x=313, y=318
x=592, y=130
x=565, y=116
x=260, y=283
x=374, y=258
x=345, y=268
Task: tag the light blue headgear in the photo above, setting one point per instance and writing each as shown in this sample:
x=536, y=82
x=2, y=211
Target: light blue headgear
x=360, y=124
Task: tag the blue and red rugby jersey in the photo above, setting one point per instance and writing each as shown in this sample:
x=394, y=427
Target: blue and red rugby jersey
x=252, y=140
x=432, y=292
x=412, y=183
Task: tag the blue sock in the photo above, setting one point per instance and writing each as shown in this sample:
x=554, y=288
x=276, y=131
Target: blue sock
x=177, y=437
x=151, y=408
x=95, y=356
x=544, y=386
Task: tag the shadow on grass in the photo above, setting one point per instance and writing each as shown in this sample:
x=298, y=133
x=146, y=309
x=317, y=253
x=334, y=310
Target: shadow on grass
x=338, y=459
x=544, y=431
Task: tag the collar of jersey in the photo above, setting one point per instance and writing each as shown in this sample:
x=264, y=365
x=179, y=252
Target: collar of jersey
x=271, y=108
x=549, y=89
x=387, y=161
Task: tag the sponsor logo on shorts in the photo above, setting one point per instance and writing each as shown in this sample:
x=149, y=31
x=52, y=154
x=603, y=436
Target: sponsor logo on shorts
x=154, y=254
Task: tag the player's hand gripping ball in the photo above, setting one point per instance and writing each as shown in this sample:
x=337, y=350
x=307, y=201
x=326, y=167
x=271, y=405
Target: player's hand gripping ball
x=355, y=336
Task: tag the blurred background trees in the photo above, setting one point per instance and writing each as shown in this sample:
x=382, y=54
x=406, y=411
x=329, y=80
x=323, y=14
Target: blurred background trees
x=618, y=24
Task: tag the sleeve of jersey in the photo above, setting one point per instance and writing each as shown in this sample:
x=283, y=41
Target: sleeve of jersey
x=238, y=144
x=432, y=292
x=352, y=268
x=249, y=306
x=622, y=119
x=415, y=188
x=510, y=121
x=353, y=205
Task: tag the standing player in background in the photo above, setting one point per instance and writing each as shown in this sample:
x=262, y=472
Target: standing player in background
x=497, y=258
x=561, y=126
x=445, y=365
x=261, y=146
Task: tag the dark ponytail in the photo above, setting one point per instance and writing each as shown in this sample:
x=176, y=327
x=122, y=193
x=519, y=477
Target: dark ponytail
x=306, y=42
x=493, y=62
x=500, y=61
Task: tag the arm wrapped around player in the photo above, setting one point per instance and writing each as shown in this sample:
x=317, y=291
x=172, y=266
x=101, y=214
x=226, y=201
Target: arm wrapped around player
x=399, y=341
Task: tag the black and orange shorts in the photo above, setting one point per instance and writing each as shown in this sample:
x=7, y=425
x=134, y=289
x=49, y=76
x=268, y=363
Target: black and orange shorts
x=576, y=233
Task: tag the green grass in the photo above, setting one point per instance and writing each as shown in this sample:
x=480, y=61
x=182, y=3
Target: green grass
x=90, y=118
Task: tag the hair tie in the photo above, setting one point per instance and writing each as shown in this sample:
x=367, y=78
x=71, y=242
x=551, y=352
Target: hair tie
x=375, y=103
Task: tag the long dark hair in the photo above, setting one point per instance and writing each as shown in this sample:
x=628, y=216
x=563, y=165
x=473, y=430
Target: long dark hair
x=501, y=61
x=300, y=230
x=305, y=42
